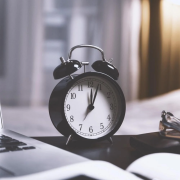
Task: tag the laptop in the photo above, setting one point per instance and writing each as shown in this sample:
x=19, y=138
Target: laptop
x=21, y=155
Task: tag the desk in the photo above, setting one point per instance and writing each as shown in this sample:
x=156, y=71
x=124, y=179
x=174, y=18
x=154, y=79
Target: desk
x=119, y=153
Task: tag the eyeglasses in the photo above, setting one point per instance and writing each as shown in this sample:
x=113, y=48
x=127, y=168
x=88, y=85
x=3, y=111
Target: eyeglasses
x=169, y=126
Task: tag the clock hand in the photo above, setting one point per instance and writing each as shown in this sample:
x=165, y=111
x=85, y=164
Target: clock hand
x=95, y=94
x=87, y=112
x=90, y=106
x=91, y=96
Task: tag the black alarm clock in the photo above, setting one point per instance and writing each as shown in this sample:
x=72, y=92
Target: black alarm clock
x=88, y=106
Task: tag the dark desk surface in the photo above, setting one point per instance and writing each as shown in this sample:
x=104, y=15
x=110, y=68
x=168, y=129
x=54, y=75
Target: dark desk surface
x=119, y=153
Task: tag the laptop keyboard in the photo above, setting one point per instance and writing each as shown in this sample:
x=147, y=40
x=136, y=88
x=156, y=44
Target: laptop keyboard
x=9, y=144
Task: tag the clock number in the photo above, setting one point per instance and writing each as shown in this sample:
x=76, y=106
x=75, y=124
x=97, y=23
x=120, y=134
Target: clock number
x=90, y=84
x=73, y=95
x=101, y=126
x=108, y=94
x=109, y=117
x=111, y=106
x=80, y=87
x=68, y=107
x=90, y=129
x=99, y=86
x=71, y=118
x=80, y=126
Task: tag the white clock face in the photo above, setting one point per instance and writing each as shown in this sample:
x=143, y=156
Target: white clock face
x=92, y=115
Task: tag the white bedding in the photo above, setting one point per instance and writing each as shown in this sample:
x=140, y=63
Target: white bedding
x=141, y=116
x=144, y=116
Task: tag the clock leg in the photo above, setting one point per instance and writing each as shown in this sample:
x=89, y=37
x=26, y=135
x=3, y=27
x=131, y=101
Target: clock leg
x=110, y=140
x=69, y=138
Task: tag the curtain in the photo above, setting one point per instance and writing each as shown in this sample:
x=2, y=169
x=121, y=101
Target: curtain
x=120, y=25
x=159, y=48
x=170, y=58
x=21, y=82
x=27, y=78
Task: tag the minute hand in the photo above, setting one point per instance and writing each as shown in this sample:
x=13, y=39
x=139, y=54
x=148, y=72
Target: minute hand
x=95, y=94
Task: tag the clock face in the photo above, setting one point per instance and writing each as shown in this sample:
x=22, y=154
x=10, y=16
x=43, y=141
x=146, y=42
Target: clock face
x=92, y=107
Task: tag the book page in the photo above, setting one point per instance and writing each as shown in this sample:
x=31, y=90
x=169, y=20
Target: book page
x=158, y=166
x=93, y=169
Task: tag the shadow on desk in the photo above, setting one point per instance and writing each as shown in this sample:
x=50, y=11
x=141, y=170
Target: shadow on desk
x=124, y=150
x=120, y=153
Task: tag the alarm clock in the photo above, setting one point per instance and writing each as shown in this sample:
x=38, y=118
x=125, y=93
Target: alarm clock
x=88, y=106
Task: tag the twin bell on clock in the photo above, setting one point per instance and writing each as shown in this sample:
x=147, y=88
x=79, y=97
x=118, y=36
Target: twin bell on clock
x=88, y=106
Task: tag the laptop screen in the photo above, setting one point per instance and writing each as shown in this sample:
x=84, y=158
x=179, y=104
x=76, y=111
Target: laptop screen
x=1, y=118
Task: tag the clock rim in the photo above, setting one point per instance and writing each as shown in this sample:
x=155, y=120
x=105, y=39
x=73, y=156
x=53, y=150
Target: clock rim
x=69, y=84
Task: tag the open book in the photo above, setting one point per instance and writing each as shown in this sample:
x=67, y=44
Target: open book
x=158, y=166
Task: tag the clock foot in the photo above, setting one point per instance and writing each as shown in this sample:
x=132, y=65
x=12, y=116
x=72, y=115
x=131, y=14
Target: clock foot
x=110, y=140
x=69, y=138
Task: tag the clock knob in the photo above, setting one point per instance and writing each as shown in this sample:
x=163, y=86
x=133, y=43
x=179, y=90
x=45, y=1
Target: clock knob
x=66, y=68
x=107, y=68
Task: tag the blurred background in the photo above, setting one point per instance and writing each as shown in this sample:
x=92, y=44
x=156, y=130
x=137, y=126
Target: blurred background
x=142, y=37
